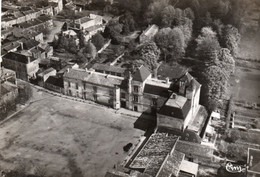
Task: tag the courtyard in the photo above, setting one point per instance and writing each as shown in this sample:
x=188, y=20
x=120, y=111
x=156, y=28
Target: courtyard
x=63, y=137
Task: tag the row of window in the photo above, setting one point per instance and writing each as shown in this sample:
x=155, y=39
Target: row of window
x=94, y=88
x=154, y=100
x=110, y=101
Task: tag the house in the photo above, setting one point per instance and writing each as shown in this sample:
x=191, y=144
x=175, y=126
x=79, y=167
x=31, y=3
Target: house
x=70, y=34
x=5, y=33
x=182, y=107
x=94, y=86
x=159, y=157
x=149, y=33
x=28, y=14
x=253, y=162
x=57, y=6
x=48, y=10
x=54, y=83
x=10, y=47
x=30, y=34
x=45, y=74
x=82, y=3
x=8, y=95
x=8, y=90
x=209, y=136
x=55, y=62
x=23, y=63
x=46, y=49
x=107, y=69
x=7, y=75
x=38, y=24
x=90, y=25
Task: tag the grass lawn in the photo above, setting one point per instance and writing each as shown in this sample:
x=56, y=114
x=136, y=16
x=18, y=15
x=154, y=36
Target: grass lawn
x=65, y=137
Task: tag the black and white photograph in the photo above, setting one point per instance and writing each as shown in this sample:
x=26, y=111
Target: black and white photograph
x=130, y=88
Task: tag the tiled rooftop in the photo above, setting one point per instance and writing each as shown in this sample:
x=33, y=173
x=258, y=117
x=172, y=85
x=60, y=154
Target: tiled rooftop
x=103, y=67
x=141, y=74
x=193, y=149
x=94, y=77
x=155, y=150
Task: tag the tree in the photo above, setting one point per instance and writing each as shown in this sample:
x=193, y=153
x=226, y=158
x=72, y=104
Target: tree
x=186, y=29
x=68, y=44
x=218, y=26
x=90, y=51
x=226, y=61
x=148, y=53
x=98, y=41
x=41, y=3
x=113, y=30
x=231, y=39
x=171, y=42
x=133, y=6
x=168, y=15
x=207, y=45
x=215, y=85
x=82, y=39
x=188, y=13
x=128, y=22
x=153, y=13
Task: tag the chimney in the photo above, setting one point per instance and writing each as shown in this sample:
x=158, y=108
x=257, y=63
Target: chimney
x=167, y=80
x=129, y=82
x=173, y=96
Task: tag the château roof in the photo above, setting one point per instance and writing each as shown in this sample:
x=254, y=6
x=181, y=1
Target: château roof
x=141, y=74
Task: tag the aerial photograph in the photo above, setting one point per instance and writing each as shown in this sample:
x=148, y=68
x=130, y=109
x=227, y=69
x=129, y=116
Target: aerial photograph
x=130, y=88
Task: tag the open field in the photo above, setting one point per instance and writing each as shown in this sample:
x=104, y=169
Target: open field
x=65, y=137
x=247, y=85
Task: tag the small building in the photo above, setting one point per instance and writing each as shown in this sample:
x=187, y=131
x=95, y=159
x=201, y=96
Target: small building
x=253, y=162
x=44, y=75
x=209, y=136
x=24, y=64
x=8, y=90
x=90, y=25
x=55, y=84
x=55, y=62
x=149, y=33
x=10, y=47
x=195, y=152
x=57, y=6
x=8, y=95
x=70, y=34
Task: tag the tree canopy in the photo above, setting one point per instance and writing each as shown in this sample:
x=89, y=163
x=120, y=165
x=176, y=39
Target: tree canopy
x=98, y=41
x=128, y=22
x=207, y=44
x=148, y=53
x=89, y=52
x=171, y=42
x=215, y=85
x=231, y=39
